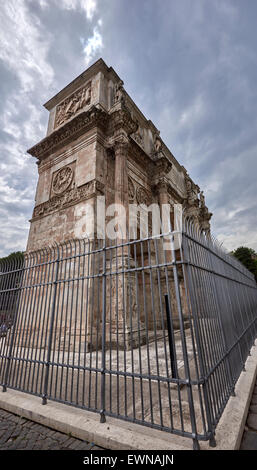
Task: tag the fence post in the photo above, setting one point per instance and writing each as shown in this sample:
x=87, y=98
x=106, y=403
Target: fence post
x=103, y=365
x=44, y=396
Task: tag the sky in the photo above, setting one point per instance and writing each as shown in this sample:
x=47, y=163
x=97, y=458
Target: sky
x=189, y=65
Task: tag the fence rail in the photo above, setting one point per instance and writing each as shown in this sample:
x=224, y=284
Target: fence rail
x=135, y=331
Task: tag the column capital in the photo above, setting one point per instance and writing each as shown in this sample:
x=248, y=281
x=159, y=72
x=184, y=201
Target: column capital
x=121, y=143
x=161, y=185
x=160, y=169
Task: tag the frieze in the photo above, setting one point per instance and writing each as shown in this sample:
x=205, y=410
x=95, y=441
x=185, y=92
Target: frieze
x=72, y=105
x=70, y=197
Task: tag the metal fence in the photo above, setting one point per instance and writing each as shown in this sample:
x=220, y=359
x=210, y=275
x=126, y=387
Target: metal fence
x=134, y=331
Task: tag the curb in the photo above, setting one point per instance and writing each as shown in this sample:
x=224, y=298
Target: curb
x=230, y=429
x=116, y=434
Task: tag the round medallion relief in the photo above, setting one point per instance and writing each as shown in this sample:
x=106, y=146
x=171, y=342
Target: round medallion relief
x=62, y=179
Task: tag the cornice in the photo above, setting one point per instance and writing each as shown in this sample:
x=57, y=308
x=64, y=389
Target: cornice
x=121, y=118
x=98, y=66
x=69, y=131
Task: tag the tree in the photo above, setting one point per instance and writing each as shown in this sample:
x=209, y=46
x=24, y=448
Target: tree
x=248, y=258
x=11, y=268
x=12, y=256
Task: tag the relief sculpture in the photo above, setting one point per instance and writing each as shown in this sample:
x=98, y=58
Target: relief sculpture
x=62, y=180
x=71, y=196
x=72, y=105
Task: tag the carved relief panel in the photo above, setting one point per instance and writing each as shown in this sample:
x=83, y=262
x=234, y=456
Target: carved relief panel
x=62, y=180
x=137, y=193
x=73, y=104
x=131, y=191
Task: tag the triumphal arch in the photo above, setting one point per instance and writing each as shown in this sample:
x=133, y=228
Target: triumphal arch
x=99, y=143
x=100, y=147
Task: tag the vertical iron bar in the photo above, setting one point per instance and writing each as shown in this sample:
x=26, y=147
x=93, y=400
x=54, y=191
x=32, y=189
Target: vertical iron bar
x=80, y=288
x=124, y=319
x=87, y=316
x=54, y=370
x=227, y=361
x=189, y=256
x=23, y=365
x=144, y=273
x=206, y=336
x=6, y=377
x=110, y=329
x=170, y=336
x=184, y=348
x=22, y=319
x=64, y=258
x=118, y=333
x=130, y=313
x=34, y=317
x=193, y=335
x=40, y=369
x=6, y=296
x=44, y=397
x=98, y=323
x=102, y=411
x=139, y=332
x=154, y=324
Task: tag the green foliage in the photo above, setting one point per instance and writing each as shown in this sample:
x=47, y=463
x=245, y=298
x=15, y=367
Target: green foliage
x=14, y=255
x=248, y=258
x=11, y=268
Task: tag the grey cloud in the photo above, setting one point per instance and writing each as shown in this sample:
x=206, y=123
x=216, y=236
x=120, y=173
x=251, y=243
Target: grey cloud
x=190, y=66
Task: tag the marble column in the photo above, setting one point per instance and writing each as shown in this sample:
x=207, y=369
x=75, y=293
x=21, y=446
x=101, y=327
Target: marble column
x=124, y=328
x=121, y=183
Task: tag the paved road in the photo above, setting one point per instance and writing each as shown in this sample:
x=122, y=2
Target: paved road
x=18, y=433
x=249, y=440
